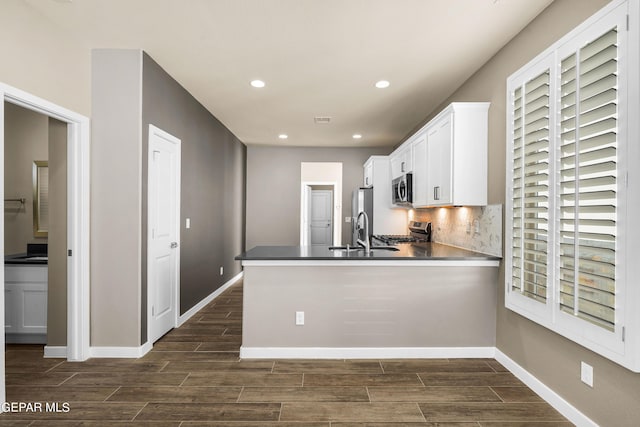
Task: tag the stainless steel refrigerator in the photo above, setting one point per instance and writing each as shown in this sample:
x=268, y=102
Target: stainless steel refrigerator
x=362, y=200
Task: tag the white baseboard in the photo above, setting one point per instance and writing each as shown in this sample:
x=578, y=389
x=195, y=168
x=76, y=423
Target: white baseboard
x=550, y=396
x=125, y=352
x=199, y=306
x=53, y=351
x=137, y=352
x=365, y=352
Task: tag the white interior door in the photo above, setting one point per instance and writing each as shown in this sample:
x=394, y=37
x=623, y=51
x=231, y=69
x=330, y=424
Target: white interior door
x=321, y=225
x=163, y=251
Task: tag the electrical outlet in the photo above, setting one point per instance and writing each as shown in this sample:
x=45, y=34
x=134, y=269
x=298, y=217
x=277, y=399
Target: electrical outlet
x=221, y=271
x=586, y=374
x=299, y=318
x=468, y=227
x=347, y=219
x=187, y=223
x=476, y=226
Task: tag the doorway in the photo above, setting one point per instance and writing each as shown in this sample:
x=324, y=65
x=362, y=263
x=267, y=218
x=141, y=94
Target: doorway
x=77, y=235
x=321, y=215
x=326, y=179
x=35, y=239
x=163, y=249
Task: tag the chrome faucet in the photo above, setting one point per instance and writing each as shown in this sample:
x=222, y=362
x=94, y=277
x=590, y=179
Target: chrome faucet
x=366, y=243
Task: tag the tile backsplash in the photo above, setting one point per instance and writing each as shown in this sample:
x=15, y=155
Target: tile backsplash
x=478, y=228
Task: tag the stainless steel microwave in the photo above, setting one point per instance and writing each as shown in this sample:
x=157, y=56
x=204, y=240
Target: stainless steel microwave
x=402, y=190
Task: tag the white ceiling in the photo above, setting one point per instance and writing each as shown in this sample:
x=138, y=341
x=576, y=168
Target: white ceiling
x=317, y=57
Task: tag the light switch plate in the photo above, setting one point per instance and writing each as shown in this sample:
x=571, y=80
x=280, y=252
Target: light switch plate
x=299, y=318
x=187, y=223
x=347, y=219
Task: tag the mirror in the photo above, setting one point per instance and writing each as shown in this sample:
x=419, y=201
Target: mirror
x=40, y=198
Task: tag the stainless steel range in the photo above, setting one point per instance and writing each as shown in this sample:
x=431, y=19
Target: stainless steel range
x=420, y=232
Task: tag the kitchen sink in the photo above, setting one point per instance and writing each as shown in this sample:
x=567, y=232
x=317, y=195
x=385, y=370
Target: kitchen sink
x=360, y=248
x=346, y=248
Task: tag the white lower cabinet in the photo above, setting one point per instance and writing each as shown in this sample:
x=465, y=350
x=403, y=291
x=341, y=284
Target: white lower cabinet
x=25, y=303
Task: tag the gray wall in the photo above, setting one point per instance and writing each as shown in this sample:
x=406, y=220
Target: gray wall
x=26, y=136
x=554, y=360
x=369, y=306
x=57, y=284
x=116, y=171
x=273, y=189
x=131, y=91
x=212, y=186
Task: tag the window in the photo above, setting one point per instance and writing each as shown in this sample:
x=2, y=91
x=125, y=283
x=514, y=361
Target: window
x=531, y=188
x=569, y=133
x=588, y=181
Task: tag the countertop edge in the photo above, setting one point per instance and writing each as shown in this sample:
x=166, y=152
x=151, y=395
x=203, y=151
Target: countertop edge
x=403, y=262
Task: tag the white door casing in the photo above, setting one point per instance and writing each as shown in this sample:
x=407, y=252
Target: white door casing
x=321, y=224
x=163, y=233
x=322, y=174
x=305, y=215
x=78, y=232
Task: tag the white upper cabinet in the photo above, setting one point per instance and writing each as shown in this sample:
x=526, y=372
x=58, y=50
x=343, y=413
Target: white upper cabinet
x=452, y=170
x=387, y=219
x=401, y=160
x=419, y=153
x=439, y=168
x=368, y=173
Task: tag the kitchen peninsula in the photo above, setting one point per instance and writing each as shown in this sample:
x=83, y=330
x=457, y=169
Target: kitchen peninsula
x=424, y=300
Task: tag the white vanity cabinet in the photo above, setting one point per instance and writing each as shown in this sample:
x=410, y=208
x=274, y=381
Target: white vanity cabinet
x=25, y=303
x=452, y=170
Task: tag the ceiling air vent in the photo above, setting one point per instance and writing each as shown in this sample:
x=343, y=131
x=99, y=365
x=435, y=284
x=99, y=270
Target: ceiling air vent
x=321, y=120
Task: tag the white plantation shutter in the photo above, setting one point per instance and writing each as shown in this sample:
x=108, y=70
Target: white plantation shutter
x=571, y=257
x=588, y=181
x=531, y=187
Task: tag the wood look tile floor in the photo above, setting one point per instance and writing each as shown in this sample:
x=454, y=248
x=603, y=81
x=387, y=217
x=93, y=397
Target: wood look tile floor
x=194, y=377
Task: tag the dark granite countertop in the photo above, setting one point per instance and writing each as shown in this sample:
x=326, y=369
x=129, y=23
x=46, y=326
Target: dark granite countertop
x=415, y=251
x=26, y=259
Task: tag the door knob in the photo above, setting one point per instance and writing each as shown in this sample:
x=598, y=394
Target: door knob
x=174, y=245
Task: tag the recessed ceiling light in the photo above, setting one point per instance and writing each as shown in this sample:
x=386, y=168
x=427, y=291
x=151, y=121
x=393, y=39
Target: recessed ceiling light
x=357, y=136
x=257, y=83
x=283, y=136
x=382, y=84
